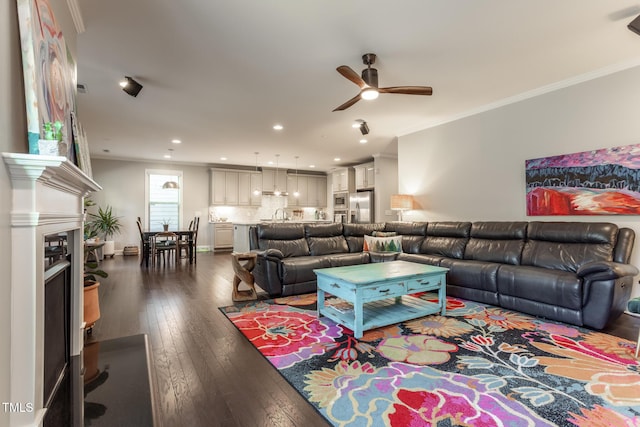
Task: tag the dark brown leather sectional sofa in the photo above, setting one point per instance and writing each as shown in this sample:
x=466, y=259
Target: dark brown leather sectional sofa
x=574, y=272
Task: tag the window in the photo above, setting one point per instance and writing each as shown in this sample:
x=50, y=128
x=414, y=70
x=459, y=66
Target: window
x=163, y=204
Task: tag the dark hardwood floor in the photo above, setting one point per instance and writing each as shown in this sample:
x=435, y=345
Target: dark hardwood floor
x=205, y=372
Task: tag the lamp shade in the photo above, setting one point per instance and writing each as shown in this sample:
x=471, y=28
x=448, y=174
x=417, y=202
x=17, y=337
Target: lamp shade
x=170, y=185
x=401, y=202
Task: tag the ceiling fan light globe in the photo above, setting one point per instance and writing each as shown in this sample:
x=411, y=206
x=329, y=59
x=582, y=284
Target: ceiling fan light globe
x=369, y=94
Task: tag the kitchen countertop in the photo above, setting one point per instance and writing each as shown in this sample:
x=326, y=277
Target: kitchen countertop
x=304, y=221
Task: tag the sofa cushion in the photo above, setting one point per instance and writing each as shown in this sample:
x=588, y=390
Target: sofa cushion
x=327, y=245
x=289, y=248
x=287, y=238
x=300, y=269
x=324, y=239
x=323, y=230
x=500, y=242
x=339, y=260
x=553, y=287
x=412, y=234
x=354, y=234
x=472, y=274
x=568, y=245
x=446, y=238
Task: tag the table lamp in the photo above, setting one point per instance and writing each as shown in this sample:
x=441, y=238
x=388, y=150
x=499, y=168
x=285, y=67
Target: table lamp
x=400, y=203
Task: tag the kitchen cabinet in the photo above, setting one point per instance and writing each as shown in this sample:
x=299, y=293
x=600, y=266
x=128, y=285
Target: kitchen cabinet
x=272, y=179
x=317, y=191
x=365, y=176
x=342, y=179
x=312, y=189
x=234, y=188
x=222, y=235
x=247, y=183
x=297, y=183
x=224, y=187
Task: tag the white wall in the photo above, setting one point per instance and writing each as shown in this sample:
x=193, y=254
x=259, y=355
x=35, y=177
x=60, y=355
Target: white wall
x=473, y=168
x=13, y=138
x=123, y=188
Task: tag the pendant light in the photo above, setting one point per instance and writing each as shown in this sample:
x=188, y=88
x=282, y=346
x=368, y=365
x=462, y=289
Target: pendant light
x=256, y=191
x=296, y=193
x=276, y=190
x=170, y=185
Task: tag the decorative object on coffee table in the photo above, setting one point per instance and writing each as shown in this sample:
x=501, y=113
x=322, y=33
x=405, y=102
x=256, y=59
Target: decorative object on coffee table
x=243, y=274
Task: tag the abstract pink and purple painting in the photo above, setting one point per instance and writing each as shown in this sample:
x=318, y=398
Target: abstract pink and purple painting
x=598, y=182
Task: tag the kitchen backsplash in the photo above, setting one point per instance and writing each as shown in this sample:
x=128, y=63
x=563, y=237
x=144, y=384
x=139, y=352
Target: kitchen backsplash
x=265, y=212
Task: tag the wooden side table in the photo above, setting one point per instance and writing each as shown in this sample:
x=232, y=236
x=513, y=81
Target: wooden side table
x=243, y=274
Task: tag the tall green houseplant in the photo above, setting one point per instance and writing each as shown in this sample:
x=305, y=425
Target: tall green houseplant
x=105, y=223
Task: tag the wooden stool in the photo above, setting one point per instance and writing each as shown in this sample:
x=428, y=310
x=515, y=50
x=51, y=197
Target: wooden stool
x=243, y=274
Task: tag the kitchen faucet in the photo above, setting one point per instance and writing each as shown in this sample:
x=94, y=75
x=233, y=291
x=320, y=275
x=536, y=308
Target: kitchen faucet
x=275, y=214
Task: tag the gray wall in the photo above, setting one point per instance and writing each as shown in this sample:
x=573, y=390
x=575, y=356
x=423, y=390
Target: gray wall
x=474, y=168
x=123, y=188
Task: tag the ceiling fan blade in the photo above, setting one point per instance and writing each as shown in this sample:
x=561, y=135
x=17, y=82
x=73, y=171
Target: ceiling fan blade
x=348, y=73
x=407, y=90
x=348, y=104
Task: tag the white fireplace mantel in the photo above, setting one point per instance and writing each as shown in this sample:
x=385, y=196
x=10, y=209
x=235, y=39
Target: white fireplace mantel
x=47, y=198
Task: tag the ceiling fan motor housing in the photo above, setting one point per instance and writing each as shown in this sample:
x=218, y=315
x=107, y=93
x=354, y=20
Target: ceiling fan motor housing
x=370, y=76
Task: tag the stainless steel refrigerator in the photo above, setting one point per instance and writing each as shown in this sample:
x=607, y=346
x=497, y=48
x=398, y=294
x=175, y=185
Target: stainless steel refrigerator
x=361, y=207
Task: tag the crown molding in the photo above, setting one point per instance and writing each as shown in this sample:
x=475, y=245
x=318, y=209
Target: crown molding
x=76, y=15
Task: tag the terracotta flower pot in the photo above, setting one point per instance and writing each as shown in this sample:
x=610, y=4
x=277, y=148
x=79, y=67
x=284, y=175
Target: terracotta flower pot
x=91, y=304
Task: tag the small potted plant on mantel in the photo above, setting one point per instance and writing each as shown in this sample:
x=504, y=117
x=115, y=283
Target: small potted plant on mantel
x=165, y=224
x=51, y=143
x=107, y=224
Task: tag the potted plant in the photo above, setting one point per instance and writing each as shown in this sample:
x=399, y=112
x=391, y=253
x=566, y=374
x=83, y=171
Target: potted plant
x=107, y=224
x=51, y=143
x=91, y=285
x=165, y=224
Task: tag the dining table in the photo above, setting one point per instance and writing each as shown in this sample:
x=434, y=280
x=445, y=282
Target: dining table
x=187, y=235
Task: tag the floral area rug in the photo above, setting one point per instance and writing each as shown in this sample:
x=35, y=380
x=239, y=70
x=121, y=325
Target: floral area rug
x=477, y=366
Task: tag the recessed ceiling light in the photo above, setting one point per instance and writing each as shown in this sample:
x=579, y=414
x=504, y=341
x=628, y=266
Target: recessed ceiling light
x=167, y=156
x=270, y=162
x=312, y=166
x=363, y=141
x=223, y=158
x=176, y=141
x=336, y=159
x=278, y=127
x=356, y=124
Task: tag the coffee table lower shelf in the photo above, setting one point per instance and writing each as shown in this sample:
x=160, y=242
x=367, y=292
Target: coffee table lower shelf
x=382, y=312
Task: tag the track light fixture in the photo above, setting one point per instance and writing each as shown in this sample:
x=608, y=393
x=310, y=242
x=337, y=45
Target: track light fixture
x=635, y=25
x=131, y=86
x=364, y=129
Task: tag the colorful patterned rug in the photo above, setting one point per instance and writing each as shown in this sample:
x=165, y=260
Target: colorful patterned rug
x=477, y=366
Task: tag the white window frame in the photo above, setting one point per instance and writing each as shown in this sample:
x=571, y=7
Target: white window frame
x=149, y=172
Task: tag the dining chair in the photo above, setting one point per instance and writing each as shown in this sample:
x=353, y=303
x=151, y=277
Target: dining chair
x=196, y=226
x=184, y=243
x=162, y=243
x=145, y=245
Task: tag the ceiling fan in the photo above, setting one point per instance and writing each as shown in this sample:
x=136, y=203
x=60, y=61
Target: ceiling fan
x=368, y=83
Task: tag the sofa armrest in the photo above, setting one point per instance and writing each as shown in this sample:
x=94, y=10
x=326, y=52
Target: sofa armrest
x=273, y=253
x=606, y=270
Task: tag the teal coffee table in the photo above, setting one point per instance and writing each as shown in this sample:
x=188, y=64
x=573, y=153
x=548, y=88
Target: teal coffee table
x=379, y=294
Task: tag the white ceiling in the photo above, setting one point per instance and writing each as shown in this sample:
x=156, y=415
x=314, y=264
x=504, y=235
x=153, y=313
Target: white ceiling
x=218, y=74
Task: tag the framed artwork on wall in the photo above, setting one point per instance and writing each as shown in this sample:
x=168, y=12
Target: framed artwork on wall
x=49, y=72
x=597, y=182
